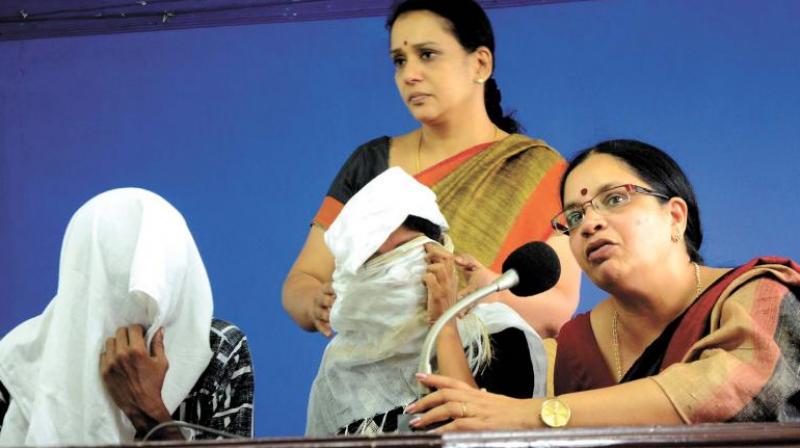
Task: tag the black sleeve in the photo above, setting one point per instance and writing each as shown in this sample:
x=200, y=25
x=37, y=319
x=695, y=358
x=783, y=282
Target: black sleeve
x=510, y=372
x=366, y=162
x=5, y=400
x=222, y=398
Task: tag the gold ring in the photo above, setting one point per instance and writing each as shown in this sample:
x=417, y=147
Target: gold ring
x=463, y=409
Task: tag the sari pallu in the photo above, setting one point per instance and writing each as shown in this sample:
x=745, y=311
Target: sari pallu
x=734, y=355
x=496, y=196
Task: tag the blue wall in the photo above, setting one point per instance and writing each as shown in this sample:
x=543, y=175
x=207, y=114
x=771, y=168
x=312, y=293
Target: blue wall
x=243, y=128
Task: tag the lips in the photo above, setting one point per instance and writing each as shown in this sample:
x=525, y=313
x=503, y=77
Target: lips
x=417, y=97
x=598, y=249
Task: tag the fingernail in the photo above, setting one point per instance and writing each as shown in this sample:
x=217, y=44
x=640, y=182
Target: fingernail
x=409, y=409
x=415, y=421
x=421, y=376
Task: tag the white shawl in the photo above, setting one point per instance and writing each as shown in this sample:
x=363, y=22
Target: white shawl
x=380, y=310
x=127, y=258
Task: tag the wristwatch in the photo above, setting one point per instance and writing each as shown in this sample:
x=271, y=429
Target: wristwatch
x=555, y=413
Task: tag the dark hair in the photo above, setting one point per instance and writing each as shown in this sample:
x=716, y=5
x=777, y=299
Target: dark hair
x=430, y=229
x=661, y=172
x=471, y=27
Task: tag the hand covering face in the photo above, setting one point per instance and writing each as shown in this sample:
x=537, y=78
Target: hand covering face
x=127, y=258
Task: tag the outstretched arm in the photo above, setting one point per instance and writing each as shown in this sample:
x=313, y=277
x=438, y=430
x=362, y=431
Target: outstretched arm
x=639, y=402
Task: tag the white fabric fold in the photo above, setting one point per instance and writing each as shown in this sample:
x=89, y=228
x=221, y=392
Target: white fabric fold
x=127, y=258
x=380, y=316
x=377, y=210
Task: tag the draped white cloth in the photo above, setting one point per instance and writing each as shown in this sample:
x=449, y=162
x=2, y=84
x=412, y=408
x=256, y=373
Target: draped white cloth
x=127, y=258
x=377, y=210
x=379, y=315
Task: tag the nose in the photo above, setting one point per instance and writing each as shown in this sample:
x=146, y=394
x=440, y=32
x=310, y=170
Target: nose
x=411, y=72
x=592, y=221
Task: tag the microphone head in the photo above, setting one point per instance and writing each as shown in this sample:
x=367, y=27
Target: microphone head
x=537, y=266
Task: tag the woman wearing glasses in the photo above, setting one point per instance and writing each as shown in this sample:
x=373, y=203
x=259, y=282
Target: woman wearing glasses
x=676, y=342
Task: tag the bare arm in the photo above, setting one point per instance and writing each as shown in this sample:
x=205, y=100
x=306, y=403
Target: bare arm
x=640, y=402
x=307, y=292
x=442, y=286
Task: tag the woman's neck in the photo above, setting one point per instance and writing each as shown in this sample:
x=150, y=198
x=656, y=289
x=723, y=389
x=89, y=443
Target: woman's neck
x=446, y=138
x=651, y=301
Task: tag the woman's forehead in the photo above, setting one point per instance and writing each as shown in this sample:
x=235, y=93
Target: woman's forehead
x=416, y=26
x=597, y=172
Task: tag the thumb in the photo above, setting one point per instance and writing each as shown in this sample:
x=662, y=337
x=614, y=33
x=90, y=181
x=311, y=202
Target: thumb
x=157, y=346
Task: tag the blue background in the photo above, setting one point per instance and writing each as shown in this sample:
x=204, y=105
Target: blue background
x=243, y=128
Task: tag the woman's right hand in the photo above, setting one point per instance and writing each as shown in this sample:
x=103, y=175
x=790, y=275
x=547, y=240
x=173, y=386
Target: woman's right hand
x=321, y=309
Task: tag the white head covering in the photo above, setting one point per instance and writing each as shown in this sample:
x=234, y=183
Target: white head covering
x=377, y=210
x=127, y=258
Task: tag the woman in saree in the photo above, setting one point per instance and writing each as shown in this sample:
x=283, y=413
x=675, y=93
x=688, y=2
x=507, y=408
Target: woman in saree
x=496, y=188
x=676, y=342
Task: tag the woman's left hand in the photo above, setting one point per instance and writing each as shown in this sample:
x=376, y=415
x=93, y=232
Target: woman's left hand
x=469, y=409
x=440, y=280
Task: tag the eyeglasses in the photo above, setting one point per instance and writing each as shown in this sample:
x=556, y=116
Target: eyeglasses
x=604, y=202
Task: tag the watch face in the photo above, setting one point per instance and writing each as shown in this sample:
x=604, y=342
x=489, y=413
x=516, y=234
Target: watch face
x=555, y=413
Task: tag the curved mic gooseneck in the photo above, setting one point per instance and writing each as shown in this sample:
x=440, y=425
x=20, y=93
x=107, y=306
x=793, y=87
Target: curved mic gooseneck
x=531, y=269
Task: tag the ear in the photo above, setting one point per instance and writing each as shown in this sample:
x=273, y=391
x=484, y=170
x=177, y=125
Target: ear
x=679, y=213
x=484, y=63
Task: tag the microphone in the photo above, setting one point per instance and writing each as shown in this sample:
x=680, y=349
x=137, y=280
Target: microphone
x=529, y=270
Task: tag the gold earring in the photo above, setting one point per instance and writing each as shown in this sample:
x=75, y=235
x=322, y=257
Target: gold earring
x=479, y=81
x=676, y=237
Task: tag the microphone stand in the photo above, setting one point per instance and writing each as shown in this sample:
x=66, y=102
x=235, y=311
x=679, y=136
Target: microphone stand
x=507, y=280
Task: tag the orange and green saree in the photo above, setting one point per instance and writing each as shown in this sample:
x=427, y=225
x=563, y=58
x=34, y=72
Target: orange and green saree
x=496, y=196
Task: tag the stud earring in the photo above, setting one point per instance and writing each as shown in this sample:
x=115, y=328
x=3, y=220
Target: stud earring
x=676, y=237
x=479, y=81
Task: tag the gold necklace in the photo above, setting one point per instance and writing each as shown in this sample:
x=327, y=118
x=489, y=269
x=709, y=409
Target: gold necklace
x=615, y=319
x=419, y=148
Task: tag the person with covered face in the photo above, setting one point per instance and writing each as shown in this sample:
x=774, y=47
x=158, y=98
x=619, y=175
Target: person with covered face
x=395, y=275
x=676, y=341
x=496, y=187
x=128, y=341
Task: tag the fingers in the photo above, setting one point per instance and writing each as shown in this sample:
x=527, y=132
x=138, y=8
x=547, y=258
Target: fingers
x=324, y=328
x=136, y=337
x=442, y=382
x=320, y=313
x=107, y=357
x=467, y=262
x=157, y=345
x=447, y=411
x=121, y=336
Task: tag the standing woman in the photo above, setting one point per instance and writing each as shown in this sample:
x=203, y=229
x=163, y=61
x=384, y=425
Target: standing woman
x=496, y=188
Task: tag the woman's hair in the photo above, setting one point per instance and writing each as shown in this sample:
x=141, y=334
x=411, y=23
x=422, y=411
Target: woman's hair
x=661, y=173
x=471, y=27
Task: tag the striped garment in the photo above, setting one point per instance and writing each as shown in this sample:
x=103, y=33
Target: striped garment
x=734, y=355
x=222, y=398
x=496, y=196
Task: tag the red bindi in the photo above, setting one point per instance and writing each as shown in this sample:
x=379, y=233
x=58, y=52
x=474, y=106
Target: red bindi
x=584, y=191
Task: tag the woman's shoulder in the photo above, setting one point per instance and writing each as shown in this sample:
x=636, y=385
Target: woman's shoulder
x=763, y=274
x=536, y=144
x=375, y=148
